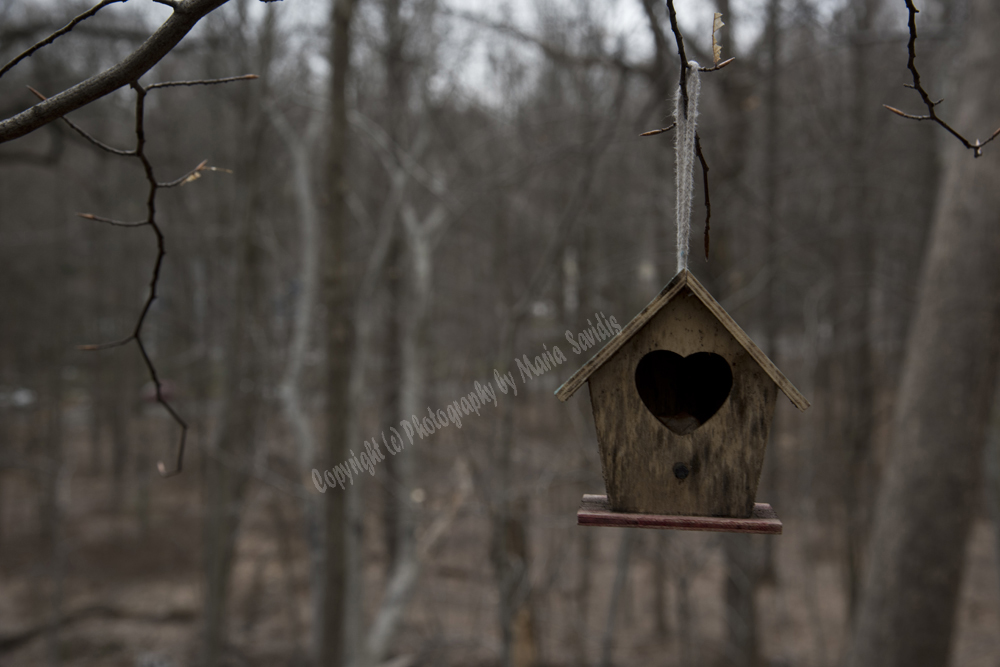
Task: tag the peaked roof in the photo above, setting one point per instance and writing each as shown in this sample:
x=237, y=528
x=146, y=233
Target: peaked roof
x=683, y=279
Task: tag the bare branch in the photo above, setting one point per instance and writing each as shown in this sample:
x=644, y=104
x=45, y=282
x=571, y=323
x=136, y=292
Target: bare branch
x=58, y=33
x=684, y=98
x=708, y=200
x=659, y=131
x=106, y=346
x=716, y=68
x=186, y=178
x=86, y=135
x=906, y=115
x=202, y=82
x=193, y=175
x=392, y=153
x=681, y=53
x=553, y=51
x=115, y=223
x=186, y=15
x=976, y=147
x=154, y=280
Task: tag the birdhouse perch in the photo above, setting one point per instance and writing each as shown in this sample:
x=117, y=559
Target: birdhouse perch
x=682, y=401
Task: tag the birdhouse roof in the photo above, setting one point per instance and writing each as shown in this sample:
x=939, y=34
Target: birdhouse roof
x=683, y=279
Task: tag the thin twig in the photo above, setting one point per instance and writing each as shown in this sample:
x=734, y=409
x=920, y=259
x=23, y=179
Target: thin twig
x=106, y=346
x=906, y=115
x=201, y=82
x=977, y=146
x=140, y=152
x=76, y=128
x=109, y=221
x=708, y=200
x=58, y=33
x=659, y=131
x=186, y=177
x=716, y=68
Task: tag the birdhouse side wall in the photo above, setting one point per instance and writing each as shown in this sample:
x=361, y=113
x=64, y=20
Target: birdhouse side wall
x=723, y=457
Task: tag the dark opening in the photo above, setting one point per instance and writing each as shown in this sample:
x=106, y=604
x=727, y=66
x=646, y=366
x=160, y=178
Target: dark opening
x=683, y=392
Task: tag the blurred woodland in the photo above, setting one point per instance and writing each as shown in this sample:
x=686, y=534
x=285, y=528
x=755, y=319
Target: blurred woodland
x=412, y=195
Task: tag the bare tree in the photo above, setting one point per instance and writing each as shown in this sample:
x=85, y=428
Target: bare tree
x=907, y=606
x=337, y=296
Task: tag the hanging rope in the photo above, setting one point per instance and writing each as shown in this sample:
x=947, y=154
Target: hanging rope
x=684, y=149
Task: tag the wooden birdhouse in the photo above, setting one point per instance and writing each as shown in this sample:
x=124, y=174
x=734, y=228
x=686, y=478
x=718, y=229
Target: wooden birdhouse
x=682, y=402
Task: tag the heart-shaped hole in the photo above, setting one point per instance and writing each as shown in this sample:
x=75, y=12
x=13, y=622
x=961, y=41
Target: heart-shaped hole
x=683, y=392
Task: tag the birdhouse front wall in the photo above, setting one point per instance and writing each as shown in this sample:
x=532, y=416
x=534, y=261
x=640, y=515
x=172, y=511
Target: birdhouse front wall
x=714, y=469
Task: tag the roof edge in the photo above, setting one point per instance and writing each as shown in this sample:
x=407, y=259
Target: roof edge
x=684, y=278
x=786, y=386
x=576, y=380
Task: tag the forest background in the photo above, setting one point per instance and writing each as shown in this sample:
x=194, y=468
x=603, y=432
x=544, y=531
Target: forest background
x=411, y=195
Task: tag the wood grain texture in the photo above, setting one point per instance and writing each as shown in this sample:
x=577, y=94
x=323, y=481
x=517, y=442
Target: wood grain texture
x=594, y=511
x=683, y=279
x=638, y=453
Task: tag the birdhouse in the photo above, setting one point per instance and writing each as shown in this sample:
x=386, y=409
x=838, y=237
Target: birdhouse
x=682, y=401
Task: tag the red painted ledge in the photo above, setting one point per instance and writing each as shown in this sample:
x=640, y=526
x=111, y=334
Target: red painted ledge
x=594, y=511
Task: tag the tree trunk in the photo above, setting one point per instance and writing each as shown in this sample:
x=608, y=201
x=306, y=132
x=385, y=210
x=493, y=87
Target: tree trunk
x=224, y=483
x=396, y=72
x=238, y=437
x=297, y=415
x=991, y=465
x=53, y=533
x=855, y=370
x=750, y=561
x=621, y=577
x=339, y=342
x=402, y=576
x=925, y=505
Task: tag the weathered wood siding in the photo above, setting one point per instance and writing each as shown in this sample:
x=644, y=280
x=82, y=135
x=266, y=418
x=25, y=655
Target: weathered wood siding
x=724, y=456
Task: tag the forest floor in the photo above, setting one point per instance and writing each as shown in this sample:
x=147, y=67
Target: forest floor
x=127, y=585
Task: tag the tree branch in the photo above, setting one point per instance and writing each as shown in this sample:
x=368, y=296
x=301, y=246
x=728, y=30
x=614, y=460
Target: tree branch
x=681, y=54
x=708, y=200
x=113, y=223
x=204, y=82
x=652, y=133
x=684, y=98
x=977, y=146
x=186, y=15
x=83, y=133
x=716, y=68
x=57, y=34
x=139, y=152
x=554, y=52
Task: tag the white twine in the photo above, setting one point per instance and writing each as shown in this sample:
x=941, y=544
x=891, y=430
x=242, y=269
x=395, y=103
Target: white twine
x=684, y=150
